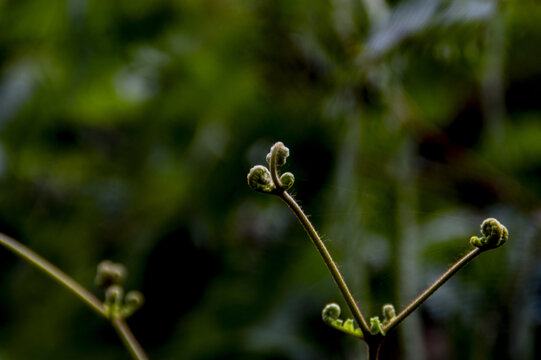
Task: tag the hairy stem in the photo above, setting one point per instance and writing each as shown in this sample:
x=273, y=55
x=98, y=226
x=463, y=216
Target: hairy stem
x=129, y=340
x=435, y=286
x=331, y=265
x=88, y=298
x=274, y=168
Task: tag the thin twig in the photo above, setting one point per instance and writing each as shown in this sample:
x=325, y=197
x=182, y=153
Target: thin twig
x=129, y=339
x=435, y=286
x=54, y=272
x=331, y=265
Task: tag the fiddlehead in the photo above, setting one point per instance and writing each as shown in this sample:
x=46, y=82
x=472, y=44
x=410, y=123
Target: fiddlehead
x=331, y=317
x=287, y=179
x=268, y=180
x=494, y=235
x=259, y=179
x=110, y=273
x=116, y=305
x=389, y=313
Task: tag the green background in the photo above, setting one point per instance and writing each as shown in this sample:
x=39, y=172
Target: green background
x=127, y=129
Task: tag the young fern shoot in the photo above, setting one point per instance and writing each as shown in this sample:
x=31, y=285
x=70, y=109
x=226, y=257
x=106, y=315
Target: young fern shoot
x=269, y=180
x=116, y=308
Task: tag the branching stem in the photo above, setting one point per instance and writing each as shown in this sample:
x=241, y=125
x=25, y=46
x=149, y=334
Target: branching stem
x=88, y=298
x=494, y=235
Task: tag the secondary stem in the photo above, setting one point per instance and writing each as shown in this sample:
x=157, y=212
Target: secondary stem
x=88, y=298
x=129, y=339
x=331, y=265
x=435, y=286
x=54, y=272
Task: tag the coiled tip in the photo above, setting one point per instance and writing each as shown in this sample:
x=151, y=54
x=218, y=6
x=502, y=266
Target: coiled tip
x=331, y=312
x=389, y=313
x=259, y=179
x=109, y=273
x=114, y=294
x=282, y=153
x=287, y=179
x=494, y=235
x=133, y=302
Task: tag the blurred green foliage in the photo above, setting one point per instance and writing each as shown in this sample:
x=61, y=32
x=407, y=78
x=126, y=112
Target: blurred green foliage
x=127, y=129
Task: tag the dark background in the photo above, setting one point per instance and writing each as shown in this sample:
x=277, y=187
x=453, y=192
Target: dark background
x=127, y=129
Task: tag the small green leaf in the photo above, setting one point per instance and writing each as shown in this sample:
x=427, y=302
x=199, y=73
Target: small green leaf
x=376, y=326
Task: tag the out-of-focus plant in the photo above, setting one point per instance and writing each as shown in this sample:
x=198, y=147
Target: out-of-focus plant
x=116, y=308
x=270, y=181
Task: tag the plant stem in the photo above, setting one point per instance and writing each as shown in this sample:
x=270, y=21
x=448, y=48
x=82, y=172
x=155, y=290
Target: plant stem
x=435, y=286
x=331, y=265
x=274, y=168
x=316, y=240
x=373, y=350
x=129, y=339
x=88, y=298
x=54, y=272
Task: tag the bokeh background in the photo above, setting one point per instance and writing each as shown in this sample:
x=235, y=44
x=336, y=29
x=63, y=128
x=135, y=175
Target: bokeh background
x=127, y=129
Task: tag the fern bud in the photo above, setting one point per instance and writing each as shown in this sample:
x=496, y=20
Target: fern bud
x=376, y=326
x=331, y=313
x=110, y=273
x=113, y=301
x=494, y=235
x=114, y=294
x=287, y=179
x=389, y=313
x=259, y=179
x=281, y=156
x=133, y=301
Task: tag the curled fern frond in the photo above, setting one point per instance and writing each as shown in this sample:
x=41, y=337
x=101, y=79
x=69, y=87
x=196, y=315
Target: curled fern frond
x=110, y=273
x=331, y=317
x=287, y=179
x=282, y=153
x=268, y=180
x=116, y=305
x=331, y=312
x=113, y=301
x=133, y=301
x=259, y=179
x=389, y=313
x=494, y=235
